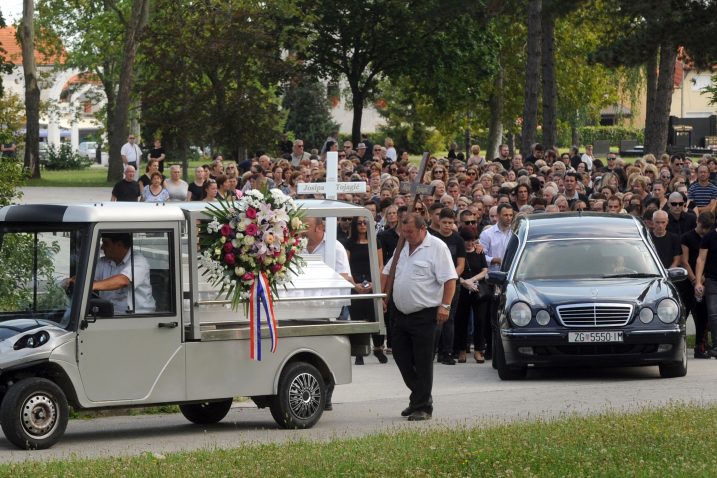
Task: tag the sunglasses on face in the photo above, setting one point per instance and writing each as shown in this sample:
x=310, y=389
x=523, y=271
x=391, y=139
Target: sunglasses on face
x=470, y=223
x=677, y=204
x=345, y=219
x=361, y=223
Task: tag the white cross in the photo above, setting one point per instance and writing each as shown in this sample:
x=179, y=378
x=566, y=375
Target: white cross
x=331, y=188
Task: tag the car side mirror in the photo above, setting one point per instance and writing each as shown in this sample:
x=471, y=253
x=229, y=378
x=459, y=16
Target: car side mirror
x=99, y=308
x=677, y=274
x=497, y=277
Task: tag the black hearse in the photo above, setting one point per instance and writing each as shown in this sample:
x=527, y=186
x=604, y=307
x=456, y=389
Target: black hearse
x=586, y=289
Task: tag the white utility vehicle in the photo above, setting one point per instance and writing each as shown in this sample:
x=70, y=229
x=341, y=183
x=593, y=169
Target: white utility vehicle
x=61, y=348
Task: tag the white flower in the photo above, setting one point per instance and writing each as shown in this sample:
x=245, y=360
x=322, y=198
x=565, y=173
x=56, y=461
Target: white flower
x=240, y=271
x=248, y=240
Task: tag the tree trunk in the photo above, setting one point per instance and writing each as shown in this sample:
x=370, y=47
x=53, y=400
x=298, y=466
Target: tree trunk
x=357, y=103
x=657, y=123
x=575, y=132
x=532, y=77
x=109, y=90
x=651, y=75
x=550, y=89
x=133, y=30
x=495, y=128
x=32, y=91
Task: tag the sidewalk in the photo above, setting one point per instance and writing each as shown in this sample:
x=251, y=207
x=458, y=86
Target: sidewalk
x=45, y=195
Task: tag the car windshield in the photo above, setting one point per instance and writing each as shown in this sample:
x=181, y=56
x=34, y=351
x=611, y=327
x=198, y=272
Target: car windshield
x=34, y=265
x=585, y=259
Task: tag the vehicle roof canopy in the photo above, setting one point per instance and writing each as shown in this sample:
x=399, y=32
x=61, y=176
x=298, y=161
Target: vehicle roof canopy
x=543, y=227
x=148, y=212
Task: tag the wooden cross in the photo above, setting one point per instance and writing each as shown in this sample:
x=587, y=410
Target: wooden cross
x=413, y=189
x=331, y=188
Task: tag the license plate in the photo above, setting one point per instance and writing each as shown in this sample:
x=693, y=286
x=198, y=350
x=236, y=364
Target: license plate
x=590, y=337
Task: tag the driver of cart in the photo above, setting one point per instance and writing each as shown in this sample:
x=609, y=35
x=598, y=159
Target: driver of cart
x=117, y=269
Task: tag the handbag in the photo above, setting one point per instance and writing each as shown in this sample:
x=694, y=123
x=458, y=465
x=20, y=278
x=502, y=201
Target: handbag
x=484, y=290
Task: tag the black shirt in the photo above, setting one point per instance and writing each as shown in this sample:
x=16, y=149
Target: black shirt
x=389, y=240
x=126, y=191
x=359, y=260
x=506, y=163
x=685, y=223
x=709, y=242
x=691, y=240
x=155, y=153
x=197, y=191
x=455, y=244
x=667, y=247
x=474, y=264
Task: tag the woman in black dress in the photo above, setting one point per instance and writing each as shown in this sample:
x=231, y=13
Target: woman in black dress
x=357, y=249
x=469, y=300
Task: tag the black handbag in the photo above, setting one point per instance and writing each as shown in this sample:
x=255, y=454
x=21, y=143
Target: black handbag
x=485, y=291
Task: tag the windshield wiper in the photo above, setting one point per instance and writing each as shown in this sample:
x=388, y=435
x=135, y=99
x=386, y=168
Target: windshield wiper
x=634, y=275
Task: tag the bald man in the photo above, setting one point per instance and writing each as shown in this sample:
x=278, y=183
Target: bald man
x=667, y=244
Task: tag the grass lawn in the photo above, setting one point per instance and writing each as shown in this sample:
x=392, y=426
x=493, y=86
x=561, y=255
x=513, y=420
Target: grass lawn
x=674, y=441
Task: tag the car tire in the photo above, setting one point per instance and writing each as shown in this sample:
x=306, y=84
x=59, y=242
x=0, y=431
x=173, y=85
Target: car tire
x=675, y=369
x=506, y=372
x=206, y=413
x=301, y=397
x=34, y=413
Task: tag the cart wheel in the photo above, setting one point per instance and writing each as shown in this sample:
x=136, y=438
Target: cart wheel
x=206, y=413
x=301, y=398
x=34, y=413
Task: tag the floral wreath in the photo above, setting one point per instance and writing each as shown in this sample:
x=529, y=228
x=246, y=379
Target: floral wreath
x=249, y=249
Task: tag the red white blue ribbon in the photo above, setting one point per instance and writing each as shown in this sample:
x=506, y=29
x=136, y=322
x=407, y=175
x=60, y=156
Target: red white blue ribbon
x=260, y=299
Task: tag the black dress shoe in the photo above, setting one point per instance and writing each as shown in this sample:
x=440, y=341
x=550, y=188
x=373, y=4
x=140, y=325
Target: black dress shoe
x=328, y=407
x=711, y=352
x=419, y=416
x=701, y=355
x=448, y=360
x=378, y=353
x=359, y=360
x=406, y=411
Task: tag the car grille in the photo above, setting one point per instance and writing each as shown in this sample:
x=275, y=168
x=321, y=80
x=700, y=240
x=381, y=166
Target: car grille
x=595, y=315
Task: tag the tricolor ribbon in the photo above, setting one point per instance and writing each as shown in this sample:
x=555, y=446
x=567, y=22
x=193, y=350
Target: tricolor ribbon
x=260, y=299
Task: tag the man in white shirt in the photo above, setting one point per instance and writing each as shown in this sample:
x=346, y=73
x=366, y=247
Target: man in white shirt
x=119, y=269
x=424, y=286
x=131, y=153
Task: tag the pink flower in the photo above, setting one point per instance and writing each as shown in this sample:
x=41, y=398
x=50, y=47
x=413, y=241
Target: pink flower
x=226, y=230
x=251, y=229
x=229, y=259
x=251, y=213
x=248, y=276
x=276, y=268
x=228, y=247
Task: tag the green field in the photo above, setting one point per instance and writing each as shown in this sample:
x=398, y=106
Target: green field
x=676, y=441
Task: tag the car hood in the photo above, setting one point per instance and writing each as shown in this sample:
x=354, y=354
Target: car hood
x=554, y=292
x=11, y=328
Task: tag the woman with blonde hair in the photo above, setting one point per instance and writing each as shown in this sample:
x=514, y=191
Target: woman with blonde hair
x=475, y=158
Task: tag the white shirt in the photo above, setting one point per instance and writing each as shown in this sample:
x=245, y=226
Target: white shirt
x=132, y=153
x=588, y=160
x=494, y=242
x=391, y=154
x=121, y=298
x=341, y=262
x=420, y=276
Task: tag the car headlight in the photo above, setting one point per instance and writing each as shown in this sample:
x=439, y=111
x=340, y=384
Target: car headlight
x=32, y=341
x=542, y=317
x=667, y=311
x=520, y=314
x=646, y=315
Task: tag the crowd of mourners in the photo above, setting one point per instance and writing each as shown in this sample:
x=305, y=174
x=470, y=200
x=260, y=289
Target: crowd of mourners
x=473, y=202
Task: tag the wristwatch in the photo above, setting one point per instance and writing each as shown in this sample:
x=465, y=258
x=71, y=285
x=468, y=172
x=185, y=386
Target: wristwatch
x=446, y=306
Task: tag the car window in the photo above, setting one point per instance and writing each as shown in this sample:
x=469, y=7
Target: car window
x=588, y=258
x=146, y=259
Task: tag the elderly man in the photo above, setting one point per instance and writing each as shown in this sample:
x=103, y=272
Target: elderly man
x=297, y=153
x=424, y=286
x=680, y=220
x=667, y=245
x=130, y=152
x=127, y=189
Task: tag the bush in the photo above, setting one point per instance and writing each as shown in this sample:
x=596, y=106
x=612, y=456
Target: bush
x=614, y=134
x=65, y=158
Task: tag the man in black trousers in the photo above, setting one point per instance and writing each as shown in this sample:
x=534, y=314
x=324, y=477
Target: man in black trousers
x=424, y=286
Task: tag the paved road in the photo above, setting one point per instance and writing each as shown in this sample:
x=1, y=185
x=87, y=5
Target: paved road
x=35, y=195
x=465, y=394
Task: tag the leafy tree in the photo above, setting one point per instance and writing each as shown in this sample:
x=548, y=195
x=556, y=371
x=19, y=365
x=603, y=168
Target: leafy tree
x=6, y=67
x=364, y=42
x=11, y=173
x=307, y=106
x=101, y=37
x=224, y=90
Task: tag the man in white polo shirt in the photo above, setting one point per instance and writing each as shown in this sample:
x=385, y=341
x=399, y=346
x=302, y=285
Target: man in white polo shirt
x=131, y=153
x=424, y=286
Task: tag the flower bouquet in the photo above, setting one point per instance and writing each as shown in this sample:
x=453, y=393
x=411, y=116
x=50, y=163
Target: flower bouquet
x=249, y=249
